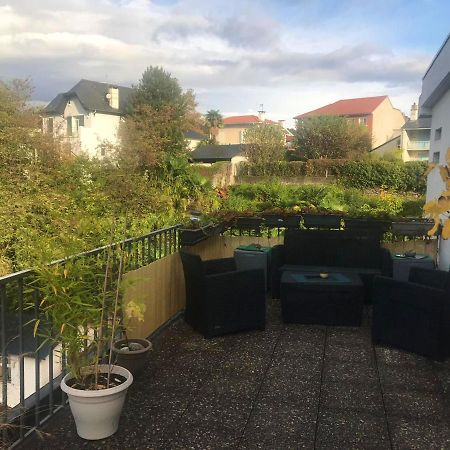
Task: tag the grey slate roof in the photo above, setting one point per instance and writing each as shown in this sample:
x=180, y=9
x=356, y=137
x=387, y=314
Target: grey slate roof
x=421, y=123
x=214, y=153
x=92, y=95
x=194, y=135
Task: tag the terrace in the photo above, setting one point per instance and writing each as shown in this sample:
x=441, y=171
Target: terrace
x=289, y=386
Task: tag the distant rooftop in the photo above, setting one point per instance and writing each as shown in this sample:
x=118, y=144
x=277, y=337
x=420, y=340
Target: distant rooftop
x=347, y=107
x=419, y=124
x=215, y=153
x=194, y=135
x=243, y=120
x=92, y=96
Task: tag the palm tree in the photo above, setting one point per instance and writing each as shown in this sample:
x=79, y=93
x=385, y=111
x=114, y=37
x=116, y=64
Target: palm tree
x=213, y=121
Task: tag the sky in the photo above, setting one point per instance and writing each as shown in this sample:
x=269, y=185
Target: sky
x=292, y=56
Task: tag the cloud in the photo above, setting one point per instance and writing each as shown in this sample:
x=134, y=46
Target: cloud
x=235, y=55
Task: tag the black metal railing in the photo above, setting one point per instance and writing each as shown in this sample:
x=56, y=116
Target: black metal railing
x=29, y=385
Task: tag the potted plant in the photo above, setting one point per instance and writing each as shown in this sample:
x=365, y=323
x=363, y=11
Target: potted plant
x=132, y=353
x=79, y=311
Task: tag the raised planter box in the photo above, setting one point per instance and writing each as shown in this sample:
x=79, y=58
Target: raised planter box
x=418, y=227
x=330, y=222
x=194, y=236
x=368, y=225
x=279, y=221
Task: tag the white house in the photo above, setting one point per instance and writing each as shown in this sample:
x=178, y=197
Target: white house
x=87, y=116
x=435, y=102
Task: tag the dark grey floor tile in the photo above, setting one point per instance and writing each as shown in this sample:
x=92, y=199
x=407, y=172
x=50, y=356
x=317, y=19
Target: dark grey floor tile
x=415, y=405
x=349, y=371
x=298, y=348
x=347, y=395
x=408, y=377
x=349, y=352
x=419, y=434
x=275, y=425
x=340, y=427
x=345, y=336
x=391, y=356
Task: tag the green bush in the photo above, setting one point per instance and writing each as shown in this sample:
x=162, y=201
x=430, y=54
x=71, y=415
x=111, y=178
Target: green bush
x=324, y=167
x=399, y=176
x=368, y=174
x=259, y=197
x=278, y=169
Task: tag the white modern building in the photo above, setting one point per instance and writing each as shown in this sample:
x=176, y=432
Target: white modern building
x=87, y=116
x=435, y=102
x=415, y=137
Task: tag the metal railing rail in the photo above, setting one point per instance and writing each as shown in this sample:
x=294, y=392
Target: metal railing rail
x=32, y=410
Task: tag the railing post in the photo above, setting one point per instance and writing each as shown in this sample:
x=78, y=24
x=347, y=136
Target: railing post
x=4, y=368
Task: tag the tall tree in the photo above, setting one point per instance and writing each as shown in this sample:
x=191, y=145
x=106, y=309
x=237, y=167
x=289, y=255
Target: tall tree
x=265, y=143
x=158, y=114
x=331, y=137
x=21, y=142
x=213, y=121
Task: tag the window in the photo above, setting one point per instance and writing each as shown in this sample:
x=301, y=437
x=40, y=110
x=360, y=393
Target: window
x=362, y=121
x=5, y=372
x=49, y=125
x=80, y=120
x=436, y=158
x=437, y=134
x=69, y=126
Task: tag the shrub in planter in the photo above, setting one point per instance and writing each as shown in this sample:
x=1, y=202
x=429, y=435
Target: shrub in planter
x=79, y=306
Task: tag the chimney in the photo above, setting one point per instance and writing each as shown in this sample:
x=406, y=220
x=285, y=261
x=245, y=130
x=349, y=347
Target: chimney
x=414, y=112
x=261, y=113
x=113, y=97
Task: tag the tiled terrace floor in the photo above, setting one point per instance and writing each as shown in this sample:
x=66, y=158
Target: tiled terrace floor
x=291, y=386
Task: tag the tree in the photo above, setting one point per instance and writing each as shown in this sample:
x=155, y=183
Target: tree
x=21, y=140
x=331, y=137
x=158, y=114
x=213, y=121
x=265, y=143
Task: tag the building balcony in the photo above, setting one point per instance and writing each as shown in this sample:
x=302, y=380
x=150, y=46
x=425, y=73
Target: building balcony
x=288, y=386
x=418, y=145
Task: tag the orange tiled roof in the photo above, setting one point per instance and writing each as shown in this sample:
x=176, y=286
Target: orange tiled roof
x=347, y=107
x=234, y=120
x=240, y=119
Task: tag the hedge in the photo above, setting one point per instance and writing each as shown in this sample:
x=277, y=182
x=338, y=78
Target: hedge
x=394, y=175
x=399, y=176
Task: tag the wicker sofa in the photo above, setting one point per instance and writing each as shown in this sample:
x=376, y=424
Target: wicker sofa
x=330, y=251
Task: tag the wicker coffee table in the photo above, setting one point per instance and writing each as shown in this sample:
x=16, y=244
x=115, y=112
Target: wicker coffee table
x=308, y=298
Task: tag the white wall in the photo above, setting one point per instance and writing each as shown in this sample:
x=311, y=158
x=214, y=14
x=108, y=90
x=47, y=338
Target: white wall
x=437, y=99
x=13, y=386
x=97, y=128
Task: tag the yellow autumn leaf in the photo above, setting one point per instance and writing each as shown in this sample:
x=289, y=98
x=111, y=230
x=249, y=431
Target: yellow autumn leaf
x=432, y=208
x=446, y=229
x=444, y=204
x=36, y=325
x=135, y=310
x=433, y=230
x=443, y=170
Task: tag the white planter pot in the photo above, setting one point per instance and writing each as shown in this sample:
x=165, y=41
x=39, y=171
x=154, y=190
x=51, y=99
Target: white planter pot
x=97, y=413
